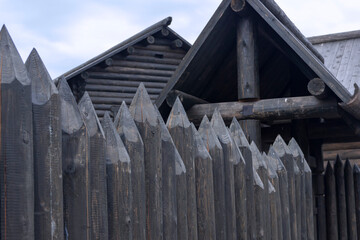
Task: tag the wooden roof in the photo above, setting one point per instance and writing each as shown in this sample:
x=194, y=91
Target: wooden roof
x=341, y=52
x=208, y=71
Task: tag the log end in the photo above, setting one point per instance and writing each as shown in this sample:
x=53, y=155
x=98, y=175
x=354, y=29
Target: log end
x=238, y=5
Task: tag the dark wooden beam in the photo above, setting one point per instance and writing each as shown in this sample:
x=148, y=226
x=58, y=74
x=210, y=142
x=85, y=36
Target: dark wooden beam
x=237, y=5
x=269, y=109
x=186, y=99
x=318, y=88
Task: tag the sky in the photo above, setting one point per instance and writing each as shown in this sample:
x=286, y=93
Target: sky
x=66, y=33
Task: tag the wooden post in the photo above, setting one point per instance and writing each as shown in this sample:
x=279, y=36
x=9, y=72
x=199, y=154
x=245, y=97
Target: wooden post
x=224, y=138
x=261, y=168
x=300, y=188
x=216, y=152
x=48, y=189
x=273, y=225
x=330, y=203
x=350, y=200
x=340, y=198
x=284, y=194
x=357, y=195
x=119, y=184
x=204, y=188
x=259, y=191
x=243, y=144
x=130, y=136
x=286, y=157
x=98, y=208
x=16, y=146
x=275, y=200
x=180, y=130
x=76, y=172
x=169, y=154
x=146, y=120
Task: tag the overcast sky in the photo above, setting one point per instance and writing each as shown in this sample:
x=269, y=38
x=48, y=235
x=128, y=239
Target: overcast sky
x=66, y=33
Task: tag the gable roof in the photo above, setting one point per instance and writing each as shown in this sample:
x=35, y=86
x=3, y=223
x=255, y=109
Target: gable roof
x=123, y=46
x=341, y=52
x=216, y=43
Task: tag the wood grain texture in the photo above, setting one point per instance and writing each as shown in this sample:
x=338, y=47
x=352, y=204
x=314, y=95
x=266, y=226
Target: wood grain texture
x=340, y=198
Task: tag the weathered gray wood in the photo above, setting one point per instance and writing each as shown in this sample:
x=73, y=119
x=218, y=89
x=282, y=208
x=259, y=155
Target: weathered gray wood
x=132, y=77
x=267, y=109
x=229, y=162
x=350, y=200
x=76, y=167
x=204, y=188
x=48, y=189
x=98, y=193
x=119, y=185
x=187, y=100
x=243, y=144
x=284, y=194
x=318, y=88
x=357, y=196
x=286, y=157
x=330, y=203
x=216, y=152
x=150, y=39
x=261, y=168
x=169, y=154
x=180, y=130
x=275, y=199
x=145, y=65
x=130, y=136
x=165, y=32
x=273, y=234
x=300, y=189
x=259, y=191
x=252, y=130
x=237, y=5
x=146, y=120
x=177, y=43
x=340, y=198
x=16, y=141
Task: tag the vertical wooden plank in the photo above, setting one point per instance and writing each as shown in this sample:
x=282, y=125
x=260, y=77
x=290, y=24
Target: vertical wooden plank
x=252, y=130
x=243, y=144
x=130, y=136
x=259, y=191
x=286, y=157
x=350, y=200
x=119, y=183
x=284, y=195
x=180, y=130
x=216, y=152
x=340, y=198
x=300, y=188
x=48, y=189
x=275, y=200
x=145, y=117
x=261, y=168
x=16, y=134
x=76, y=172
x=169, y=153
x=229, y=162
x=330, y=203
x=98, y=194
x=357, y=196
x=204, y=188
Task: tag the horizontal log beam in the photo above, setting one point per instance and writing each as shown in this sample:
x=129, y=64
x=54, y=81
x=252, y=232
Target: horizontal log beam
x=186, y=99
x=269, y=109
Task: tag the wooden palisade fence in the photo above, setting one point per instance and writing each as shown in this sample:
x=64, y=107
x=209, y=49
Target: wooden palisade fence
x=65, y=175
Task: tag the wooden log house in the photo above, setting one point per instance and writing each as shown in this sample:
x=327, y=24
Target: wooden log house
x=151, y=57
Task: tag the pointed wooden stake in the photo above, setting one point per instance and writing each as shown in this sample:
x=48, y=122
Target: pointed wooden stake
x=204, y=188
x=229, y=162
x=286, y=157
x=169, y=181
x=181, y=132
x=243, y=144
x=330, y=203
x=98, y=208
x=300, y=188
x=259, y=191
x=145, y=117
x=284, y=194
x=16, y=136
x=216, y=152
x=130, y=136
x=357, y=195
x=48, y=187
x=340, y=198
x=119, y=183
x=274, y=200
x=350, y=200
x=76, y=168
